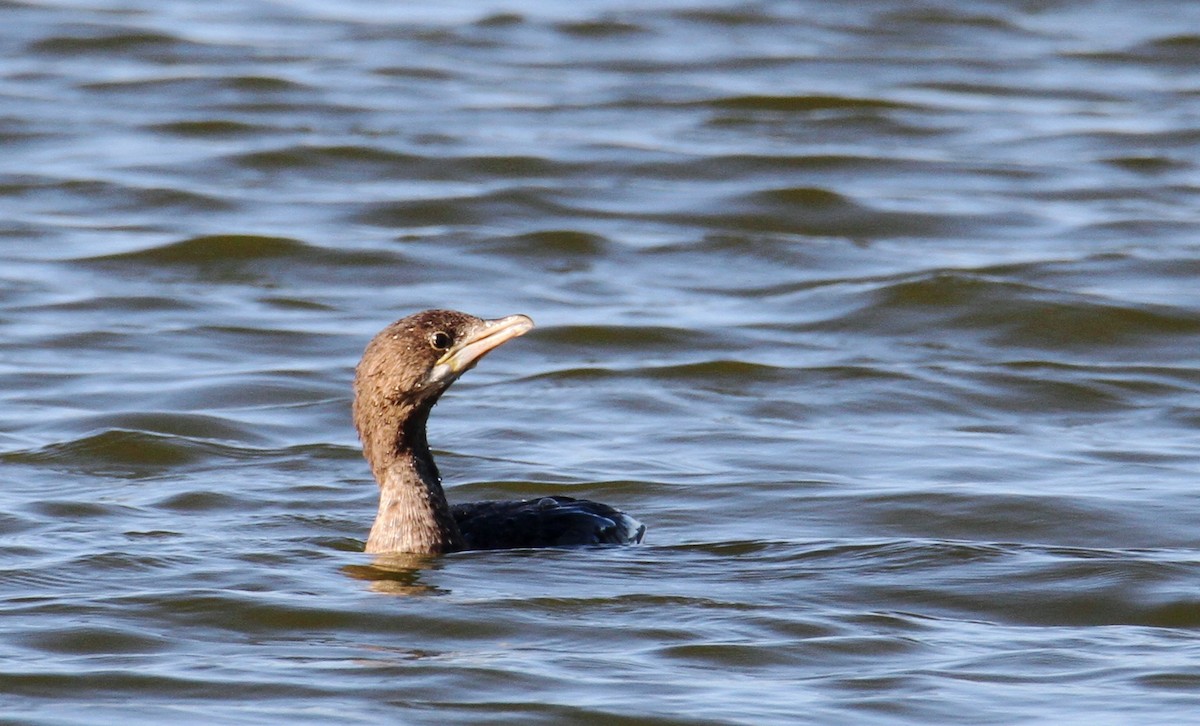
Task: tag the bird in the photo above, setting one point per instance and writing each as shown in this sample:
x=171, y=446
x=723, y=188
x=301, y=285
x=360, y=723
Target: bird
x=404, y=370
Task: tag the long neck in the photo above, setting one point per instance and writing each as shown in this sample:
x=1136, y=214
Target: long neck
x=414, y=515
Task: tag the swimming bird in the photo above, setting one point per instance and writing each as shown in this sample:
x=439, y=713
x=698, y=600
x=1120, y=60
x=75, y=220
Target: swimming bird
x=403, y=372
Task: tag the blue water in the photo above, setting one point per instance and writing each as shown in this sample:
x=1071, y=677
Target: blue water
x=882, y=316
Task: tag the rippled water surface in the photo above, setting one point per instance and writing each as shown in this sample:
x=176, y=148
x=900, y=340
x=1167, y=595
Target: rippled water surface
x=884, y=316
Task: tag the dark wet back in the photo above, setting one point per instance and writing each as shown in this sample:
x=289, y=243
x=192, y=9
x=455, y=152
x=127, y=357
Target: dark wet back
x=544, y=522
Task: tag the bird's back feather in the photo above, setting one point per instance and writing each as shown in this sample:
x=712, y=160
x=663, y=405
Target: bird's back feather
x=546, y=522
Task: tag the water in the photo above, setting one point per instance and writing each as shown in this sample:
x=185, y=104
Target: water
x=883, y=316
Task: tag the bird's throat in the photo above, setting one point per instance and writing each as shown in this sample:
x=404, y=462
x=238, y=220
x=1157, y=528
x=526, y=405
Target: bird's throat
x=414, y=515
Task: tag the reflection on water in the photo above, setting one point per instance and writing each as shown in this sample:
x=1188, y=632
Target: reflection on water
x=883, y=315
x=396, y=574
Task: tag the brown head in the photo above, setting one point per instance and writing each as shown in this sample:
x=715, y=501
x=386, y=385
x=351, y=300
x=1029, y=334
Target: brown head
x=409, y=364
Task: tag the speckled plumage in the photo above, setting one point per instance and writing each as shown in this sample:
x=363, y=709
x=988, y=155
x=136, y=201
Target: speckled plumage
x=403, y=372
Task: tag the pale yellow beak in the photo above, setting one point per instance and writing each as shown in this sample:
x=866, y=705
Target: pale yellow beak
x=487, y=335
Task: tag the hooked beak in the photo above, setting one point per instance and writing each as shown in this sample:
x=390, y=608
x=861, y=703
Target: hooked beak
x=487, y=335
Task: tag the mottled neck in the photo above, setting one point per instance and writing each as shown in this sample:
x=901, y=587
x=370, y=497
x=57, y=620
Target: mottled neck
x=414, y=515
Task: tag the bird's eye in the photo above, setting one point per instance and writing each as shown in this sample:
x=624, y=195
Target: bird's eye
x=440, y=340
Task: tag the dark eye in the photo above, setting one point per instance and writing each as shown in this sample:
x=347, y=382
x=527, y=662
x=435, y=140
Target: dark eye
x=440, y=340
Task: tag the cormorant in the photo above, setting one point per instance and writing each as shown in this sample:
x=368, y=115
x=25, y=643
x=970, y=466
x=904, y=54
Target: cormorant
x=404, y=369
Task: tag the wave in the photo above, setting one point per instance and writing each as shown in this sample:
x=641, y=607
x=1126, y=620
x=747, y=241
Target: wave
x=123, y=452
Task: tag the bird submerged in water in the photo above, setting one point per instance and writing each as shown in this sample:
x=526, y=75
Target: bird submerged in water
x=403, y=372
